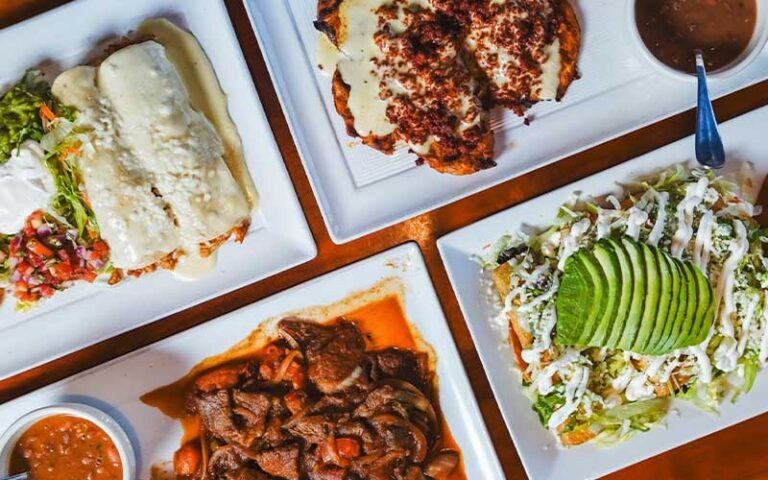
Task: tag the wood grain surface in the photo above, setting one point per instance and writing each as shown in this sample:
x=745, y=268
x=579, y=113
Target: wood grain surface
x=736, y=453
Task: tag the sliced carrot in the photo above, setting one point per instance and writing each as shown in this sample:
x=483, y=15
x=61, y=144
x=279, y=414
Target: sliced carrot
x=64, y=152
x=46, y=112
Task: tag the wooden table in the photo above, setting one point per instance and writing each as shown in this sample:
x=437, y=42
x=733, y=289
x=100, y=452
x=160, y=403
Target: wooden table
x=736, y=453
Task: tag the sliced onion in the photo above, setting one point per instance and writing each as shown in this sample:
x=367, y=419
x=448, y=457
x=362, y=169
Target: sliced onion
x=283, y=369
x=15, y=276
x=442, y=465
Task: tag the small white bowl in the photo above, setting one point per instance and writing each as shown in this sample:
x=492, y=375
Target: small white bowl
x=755, y=46
x=11, y=436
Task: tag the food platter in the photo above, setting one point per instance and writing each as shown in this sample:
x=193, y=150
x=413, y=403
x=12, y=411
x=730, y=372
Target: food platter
x=537, y=448
x=278, y=237
x=155, y=437
x=616, y=318
x=620, y=90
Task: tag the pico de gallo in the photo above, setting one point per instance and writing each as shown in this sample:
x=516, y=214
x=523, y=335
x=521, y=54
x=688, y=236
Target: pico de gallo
x=47, y=255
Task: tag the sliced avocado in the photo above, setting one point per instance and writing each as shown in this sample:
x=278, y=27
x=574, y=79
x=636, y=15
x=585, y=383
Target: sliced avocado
x=626, y=282
x=574, y=295
x=600, y=285
x=667, y=272
x=609, y=264
x=625, y=294
x=635, y=315
x=677, y=306
x=651, y=305
x=705, y=311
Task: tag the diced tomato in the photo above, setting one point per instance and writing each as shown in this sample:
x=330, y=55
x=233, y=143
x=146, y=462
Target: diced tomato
x=347, y=447
x=63, y=254
x=46, y=290
x=101, y=248
x=20, y=287
x=295, y=374
x=89, y=276
x=24, y=268
x=26, y=297
x=294, y=401
x=62, y=271
x=35, y=246
x=265, y=371
x=36, y=219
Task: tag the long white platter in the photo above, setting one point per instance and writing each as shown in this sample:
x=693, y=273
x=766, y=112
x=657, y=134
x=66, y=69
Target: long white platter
x=361, y=190
x=744, y=138
x=116, y=386
x=279, y=237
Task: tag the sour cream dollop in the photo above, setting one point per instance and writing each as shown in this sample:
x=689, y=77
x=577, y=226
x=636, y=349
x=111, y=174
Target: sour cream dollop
x=26, y=185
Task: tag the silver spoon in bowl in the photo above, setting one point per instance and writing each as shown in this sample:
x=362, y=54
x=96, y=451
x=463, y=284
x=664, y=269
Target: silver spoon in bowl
x=709, y=146
x=18, y=476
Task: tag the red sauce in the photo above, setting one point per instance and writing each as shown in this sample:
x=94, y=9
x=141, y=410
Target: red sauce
x=673, y=29
x=63, y=447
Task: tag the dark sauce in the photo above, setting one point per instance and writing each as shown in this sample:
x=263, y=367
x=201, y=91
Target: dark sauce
x=673, y=29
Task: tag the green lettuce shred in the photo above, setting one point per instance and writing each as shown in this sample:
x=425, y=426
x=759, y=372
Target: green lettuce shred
x=545, y=405
x=69, y=201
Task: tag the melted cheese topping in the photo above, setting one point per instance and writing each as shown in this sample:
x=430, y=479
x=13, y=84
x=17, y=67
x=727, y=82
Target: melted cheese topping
x=177, y=144
x=132, y=220
x=205, y=94
x=156, y=178
x=359, y=55
x=391, y=91
x=25, y=186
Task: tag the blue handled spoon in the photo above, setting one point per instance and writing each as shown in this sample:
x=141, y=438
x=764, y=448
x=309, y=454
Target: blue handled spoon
x=709, y=145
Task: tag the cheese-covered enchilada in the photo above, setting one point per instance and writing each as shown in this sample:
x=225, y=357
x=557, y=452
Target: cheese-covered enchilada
x=155, y=175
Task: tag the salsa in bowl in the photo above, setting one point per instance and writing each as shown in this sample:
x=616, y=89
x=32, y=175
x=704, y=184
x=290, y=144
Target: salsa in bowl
x=67, y=442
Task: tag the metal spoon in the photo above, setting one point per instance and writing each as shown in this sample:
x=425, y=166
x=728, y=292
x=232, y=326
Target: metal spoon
x=709, y=145
x=18, y=476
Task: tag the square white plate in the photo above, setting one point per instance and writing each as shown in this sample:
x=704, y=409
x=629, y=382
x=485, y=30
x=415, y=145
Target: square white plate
x=279, y=237
x=361, y=190
x=744, y=138
x=116, y=386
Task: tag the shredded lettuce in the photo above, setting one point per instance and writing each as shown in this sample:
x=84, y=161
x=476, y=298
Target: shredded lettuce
x=621, y=422
x=69, y=201
x=5, y=267
x=20, y=112
x=545, y=405
x=751, y=365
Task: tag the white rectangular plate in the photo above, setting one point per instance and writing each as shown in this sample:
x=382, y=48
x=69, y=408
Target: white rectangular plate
x=116, y=386
x=279, y=236
x=744, y=138
x=361, y=190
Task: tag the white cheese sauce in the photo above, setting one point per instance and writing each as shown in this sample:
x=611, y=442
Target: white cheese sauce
x=26, y=185
x=694, y=195
x=662, y=199
x=763, y=354
x=726, y=304
x=635, y=221
x=571, y=241
x=703, y=244
x=575, y=388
